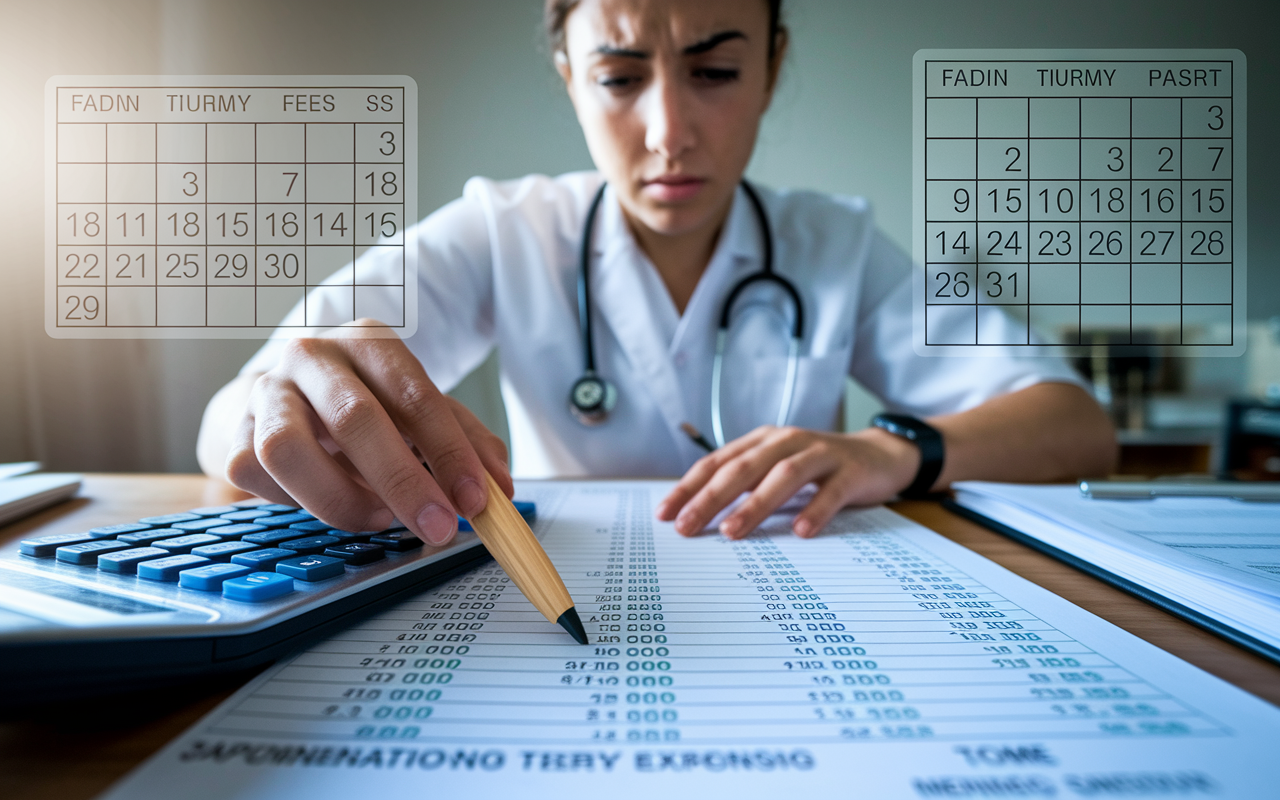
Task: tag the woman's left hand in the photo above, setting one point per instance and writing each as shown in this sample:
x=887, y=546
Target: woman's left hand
x=863, y=468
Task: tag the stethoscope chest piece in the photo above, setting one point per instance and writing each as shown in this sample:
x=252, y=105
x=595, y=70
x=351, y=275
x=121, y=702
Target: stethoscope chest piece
x=591, y=399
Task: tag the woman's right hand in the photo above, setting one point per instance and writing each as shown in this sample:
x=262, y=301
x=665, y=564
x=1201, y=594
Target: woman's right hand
x=334, y=428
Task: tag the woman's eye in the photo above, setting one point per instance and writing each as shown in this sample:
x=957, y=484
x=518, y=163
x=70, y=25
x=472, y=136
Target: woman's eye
x=714, y=75
x=617, y=82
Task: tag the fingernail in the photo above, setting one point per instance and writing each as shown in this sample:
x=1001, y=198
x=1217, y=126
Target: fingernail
x=731, y=528
x=437, y=523
x=469, y=496
x=803, y=527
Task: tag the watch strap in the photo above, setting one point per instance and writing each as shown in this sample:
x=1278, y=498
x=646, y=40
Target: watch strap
x=924, y=436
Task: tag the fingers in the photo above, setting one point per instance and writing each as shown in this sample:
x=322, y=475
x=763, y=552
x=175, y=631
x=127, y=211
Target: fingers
x=400, y=385
x=359, y=425
x=814, y=463
x=737, y=475
x=278, y=457
x=830, y=498
x=702, y=471
x=489, y=447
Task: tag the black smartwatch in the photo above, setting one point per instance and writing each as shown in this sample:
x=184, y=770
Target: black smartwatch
x=922, y=435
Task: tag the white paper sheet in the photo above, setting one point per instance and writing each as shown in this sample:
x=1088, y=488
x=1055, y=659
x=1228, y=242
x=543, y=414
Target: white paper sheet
x=879, y=660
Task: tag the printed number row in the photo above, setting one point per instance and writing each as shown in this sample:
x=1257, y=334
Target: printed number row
x=231, y=224
x=1074, y=159
x=990, y=242
x=221, y=266
x=1077, y=200
x=1049, y=284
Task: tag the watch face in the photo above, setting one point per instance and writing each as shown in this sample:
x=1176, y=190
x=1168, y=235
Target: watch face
x=588, y=393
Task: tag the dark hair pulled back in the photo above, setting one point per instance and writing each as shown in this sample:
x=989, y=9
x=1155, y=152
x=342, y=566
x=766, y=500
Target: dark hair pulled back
x=556, y=12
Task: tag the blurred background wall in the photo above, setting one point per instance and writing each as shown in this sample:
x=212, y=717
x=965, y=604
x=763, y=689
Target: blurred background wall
x=490, y=104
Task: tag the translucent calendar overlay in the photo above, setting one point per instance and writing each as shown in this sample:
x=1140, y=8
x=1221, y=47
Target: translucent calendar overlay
x=1072, y=199
x=211, y=206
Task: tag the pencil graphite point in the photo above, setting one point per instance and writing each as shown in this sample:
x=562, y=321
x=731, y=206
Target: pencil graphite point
x=570, y=621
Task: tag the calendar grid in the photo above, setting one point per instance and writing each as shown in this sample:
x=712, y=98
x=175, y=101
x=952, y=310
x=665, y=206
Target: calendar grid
x=209, y=208
x=1115, y=246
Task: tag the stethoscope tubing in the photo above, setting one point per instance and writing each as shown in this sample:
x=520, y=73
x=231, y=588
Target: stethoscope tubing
x=765, y=275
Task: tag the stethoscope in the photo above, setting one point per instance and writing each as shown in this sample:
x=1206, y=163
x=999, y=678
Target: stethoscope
x=593, y=396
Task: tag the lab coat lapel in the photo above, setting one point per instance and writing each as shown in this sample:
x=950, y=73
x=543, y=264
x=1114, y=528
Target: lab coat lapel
x=625, y=302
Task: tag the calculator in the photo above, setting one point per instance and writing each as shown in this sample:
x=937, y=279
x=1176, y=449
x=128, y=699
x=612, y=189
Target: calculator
x=216, y=589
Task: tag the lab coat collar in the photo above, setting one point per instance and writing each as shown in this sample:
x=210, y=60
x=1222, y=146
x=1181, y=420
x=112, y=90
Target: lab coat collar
x=627, y=302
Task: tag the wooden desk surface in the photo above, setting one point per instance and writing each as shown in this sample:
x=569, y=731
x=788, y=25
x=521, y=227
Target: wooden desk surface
x=78, y=753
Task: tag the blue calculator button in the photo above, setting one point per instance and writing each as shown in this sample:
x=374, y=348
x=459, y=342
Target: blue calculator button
x=245, y=515
x=213, y=511
x=112, y=531
x=464, y=526
x=167, y=569
x=311, y=526
x=184, y=544
x=222, y=551
x=86, y=554
x=312, y=568
x=356, y=553
x=347, y=537
x=209, y=578
x=527, y=509
x=397, y=540
x=283, y=520
x=271, y=538
x=257, y=586
x=145, y=538
x=125, y=562
x=310, y=545
x=237, y=531
x=276, y=508
x=262, y=559
x=45, y=546
x=169, y=519
x=199, y=525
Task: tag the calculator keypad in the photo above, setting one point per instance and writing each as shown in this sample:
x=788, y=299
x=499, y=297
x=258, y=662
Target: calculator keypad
x=246, y=553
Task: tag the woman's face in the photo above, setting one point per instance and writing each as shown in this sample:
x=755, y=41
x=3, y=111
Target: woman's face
x=670, y=95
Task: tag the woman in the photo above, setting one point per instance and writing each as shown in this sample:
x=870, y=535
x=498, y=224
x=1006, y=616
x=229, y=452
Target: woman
x=669, y=95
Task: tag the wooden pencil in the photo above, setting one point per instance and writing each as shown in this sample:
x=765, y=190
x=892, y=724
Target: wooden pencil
x=512, y=544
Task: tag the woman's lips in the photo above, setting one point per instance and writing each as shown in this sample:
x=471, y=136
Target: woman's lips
x=673, y=188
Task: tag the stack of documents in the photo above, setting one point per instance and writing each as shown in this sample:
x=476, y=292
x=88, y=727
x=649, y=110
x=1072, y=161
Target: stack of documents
x=878, y=660
x=1214, y=561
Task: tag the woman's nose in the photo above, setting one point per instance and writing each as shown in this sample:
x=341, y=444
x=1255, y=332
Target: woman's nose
x=668, y=128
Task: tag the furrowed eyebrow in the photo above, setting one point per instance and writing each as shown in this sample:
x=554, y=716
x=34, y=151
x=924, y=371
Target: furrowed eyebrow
x=704, y=46
x=711, y=42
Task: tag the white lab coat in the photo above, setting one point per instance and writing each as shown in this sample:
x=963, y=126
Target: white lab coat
x=499, y=267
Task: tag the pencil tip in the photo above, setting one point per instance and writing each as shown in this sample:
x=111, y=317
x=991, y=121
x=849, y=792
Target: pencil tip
x=570, y=621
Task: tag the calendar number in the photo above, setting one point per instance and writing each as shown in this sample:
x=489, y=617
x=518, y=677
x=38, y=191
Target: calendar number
x=1015, y=155
x=1109, y=243
x=89, y=263
x=188, y=263
x=1216, y=202
x=961, y=198
x=1065, y=200
x=995, y=281
x=1116, y=163
x=277, y=266
x=956, y=285
x=1207, y=243
x=388, y=147
x=338, y=224
x=959, y=244
x=91, y=226
x=189, y=222
x=193, y=187
x=288, y=224
x=386, y=226
x=123, y=271
x=1114, y=201
x=1012, y=200
x=388, y=186
x=239, y=227
x=1152, y=238
x=1215, y=116
x=1003, y=245
x=1163, y=200
x=1063, y=240
x=237, y=263
x=81, y=308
